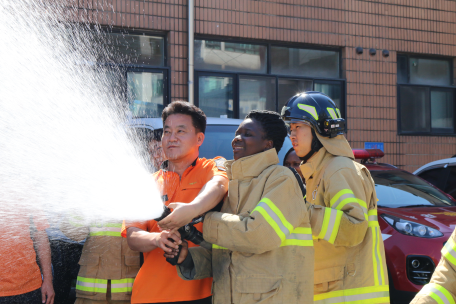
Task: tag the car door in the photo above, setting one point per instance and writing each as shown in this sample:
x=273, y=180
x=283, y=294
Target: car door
x=436, y=175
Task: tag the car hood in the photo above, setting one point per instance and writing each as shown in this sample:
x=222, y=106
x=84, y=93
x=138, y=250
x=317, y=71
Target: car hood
x=441, y=218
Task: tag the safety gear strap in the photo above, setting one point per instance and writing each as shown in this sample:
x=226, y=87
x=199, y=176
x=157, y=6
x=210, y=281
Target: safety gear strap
x=314, y=147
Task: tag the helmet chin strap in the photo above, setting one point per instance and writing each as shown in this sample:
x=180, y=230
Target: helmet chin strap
x=314, y=147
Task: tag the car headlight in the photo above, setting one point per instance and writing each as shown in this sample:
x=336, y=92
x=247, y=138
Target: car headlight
x=411, y=228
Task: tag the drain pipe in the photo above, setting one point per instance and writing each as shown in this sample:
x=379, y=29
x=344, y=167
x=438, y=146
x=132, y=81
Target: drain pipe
x=191, y=44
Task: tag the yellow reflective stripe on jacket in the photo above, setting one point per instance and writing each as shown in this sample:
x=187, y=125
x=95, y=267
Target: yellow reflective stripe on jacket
x=123, y=285
x=344, y=197
x=299, y=237
x=274, y=217
x=449, y=251
x=438, y=293
x=330, y=226
x=371, y=295
x=105, y=231
x=373, y=215
x=379, y=274
x=217, y=247
x=91, y=285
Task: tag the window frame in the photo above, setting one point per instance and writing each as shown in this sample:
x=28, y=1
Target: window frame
x=132, y=67
x=236, y=75
x=399, y=84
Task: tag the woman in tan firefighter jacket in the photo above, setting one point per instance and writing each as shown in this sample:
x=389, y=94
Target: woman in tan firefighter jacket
x=349, y=254
x=442, y=288
x=108, y=265
x=262, y=243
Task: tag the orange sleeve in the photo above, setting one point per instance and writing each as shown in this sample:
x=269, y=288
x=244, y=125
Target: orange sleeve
x=218, y=166
x=126, y=224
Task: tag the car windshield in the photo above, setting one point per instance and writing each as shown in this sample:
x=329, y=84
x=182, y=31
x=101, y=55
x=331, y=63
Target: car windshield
x=217, y=141
x=400, y=189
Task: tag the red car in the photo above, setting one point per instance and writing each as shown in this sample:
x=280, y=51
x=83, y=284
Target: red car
x=416, y=219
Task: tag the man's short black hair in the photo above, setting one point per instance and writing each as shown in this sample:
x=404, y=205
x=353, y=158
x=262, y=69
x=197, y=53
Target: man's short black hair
x=273, y=125
x=186, y=108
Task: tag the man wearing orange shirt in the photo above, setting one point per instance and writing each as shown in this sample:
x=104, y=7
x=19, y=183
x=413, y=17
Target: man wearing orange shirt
x=20, y=276
x=193, y=186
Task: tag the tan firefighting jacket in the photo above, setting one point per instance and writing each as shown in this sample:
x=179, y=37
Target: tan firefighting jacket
x=106, y=260
x=262, y=244
x=349, y=254
x=442, y=288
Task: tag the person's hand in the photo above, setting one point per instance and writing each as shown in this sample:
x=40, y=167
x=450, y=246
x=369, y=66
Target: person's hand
x=47, y=292
x=161, y=240
x=183, y=253
x=182, y=215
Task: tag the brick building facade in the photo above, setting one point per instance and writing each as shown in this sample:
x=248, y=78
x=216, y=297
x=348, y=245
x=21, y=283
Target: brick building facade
x=410, y=30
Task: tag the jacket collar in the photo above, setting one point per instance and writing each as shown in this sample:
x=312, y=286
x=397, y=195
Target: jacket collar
x=315, y=163
x=251, y=166
x=165, y=164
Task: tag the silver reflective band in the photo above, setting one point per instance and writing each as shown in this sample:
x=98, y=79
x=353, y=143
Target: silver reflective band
x=359, y=297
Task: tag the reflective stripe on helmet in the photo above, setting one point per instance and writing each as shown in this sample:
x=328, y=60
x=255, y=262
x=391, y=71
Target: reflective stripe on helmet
x=332, y=113
x=309, y=109
x=438, y=293
x=449, y=251
x=330, y=226
x=372, y=294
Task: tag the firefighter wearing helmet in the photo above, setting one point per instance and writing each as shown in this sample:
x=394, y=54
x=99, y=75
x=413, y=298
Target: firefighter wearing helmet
x=349, y=254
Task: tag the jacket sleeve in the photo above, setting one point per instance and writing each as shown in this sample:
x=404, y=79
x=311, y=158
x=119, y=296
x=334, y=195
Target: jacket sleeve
x=343, y=221
x=197, y=265
x=273, y=222
x=442, y=288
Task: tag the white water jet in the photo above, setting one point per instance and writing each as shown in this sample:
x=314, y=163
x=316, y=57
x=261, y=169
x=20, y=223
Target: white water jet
x=64, y=144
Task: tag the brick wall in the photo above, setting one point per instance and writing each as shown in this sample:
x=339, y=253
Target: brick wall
x=408, y=26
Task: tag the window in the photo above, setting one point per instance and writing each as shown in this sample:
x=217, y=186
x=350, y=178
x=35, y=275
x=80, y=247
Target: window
x=426, y=96
x=233, y=78
x=141, y=61
x=451, y=182
x=435, y=176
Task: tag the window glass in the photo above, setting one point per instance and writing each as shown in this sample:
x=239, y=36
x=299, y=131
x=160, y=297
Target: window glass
x=217, y=141
x=451, y=183
x=229, y=56
x=216, y=96
x=429, y=71
x=414, y=109
x=145, y=93
x=304, y=62
x=434, y=176
x=256, y=93
x=402, y=70
x=136, y=49
x=399, y=189
x=332, y=90
x=442, y=110
x=290, y=87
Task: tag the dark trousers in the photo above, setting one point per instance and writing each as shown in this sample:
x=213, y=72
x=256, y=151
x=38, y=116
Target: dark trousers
x=33, y=297
x=201, y=301
x=65, y=258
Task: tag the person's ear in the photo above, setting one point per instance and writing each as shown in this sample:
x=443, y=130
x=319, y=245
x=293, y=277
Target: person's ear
x=269, y=145
x=199, y=139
